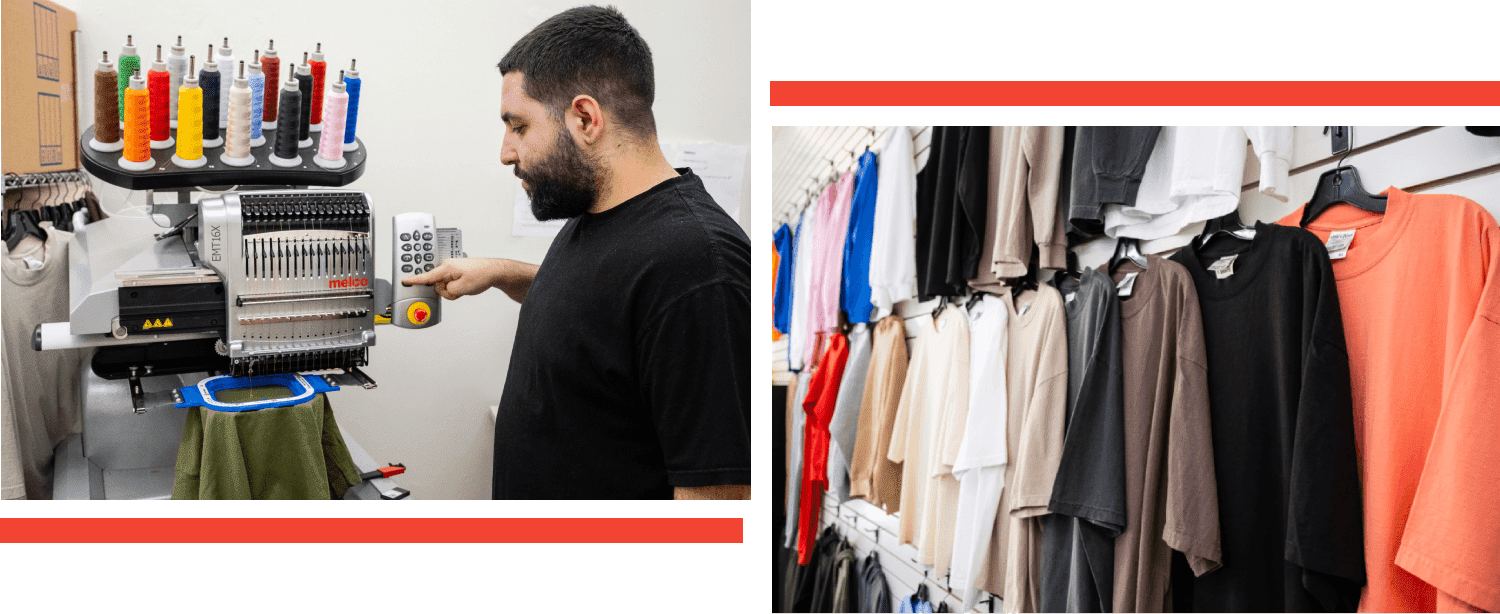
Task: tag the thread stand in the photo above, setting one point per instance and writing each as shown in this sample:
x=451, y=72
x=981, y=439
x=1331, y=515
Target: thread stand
x=161, y=174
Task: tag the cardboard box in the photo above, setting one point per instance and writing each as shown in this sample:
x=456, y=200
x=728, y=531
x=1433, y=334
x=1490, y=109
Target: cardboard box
x=39, y=110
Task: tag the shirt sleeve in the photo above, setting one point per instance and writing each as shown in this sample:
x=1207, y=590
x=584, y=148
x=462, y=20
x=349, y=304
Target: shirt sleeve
x=695, y=376
x=1325, y=519
x=1044, y=155
x=1273, y=144
x=1452, y=540
x=1192, y=506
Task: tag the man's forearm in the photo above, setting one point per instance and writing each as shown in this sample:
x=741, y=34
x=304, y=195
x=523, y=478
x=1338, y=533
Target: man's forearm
x=712, y=492
x=514, y=278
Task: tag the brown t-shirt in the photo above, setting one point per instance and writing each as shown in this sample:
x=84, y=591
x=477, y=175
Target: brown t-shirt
x=1171, y=493
x=874, y=477
x=1037, y=391
x=1024, y=166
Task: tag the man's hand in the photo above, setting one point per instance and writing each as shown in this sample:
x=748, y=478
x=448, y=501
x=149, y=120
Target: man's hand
x=458, y=277
x=712, y=492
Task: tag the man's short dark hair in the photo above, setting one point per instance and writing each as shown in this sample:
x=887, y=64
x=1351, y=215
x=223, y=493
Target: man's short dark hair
x=588, y=50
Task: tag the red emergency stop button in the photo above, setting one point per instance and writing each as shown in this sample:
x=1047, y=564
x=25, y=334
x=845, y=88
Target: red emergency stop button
x=418, y=312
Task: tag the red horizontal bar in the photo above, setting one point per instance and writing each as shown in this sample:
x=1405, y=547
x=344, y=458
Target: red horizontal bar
x=372, y=530
x=1133, y=93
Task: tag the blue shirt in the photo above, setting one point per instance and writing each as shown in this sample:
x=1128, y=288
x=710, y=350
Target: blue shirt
x=855, y=294
x=782, y=316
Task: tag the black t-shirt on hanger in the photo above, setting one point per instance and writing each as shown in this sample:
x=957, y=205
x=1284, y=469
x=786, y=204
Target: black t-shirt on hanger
x=630, y=373
x=1283, y=428
x=951, y=209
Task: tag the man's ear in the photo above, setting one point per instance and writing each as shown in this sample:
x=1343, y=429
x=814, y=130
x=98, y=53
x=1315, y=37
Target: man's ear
x=585, y=120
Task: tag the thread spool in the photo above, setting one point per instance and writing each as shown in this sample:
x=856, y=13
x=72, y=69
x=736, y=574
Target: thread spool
x=319, y=73
x=225, y=59
x=137, y=126
x=208, y=81
x=190, y=122
x=285, y=151
x=331, y=148
x=237, y=143
x=304, y=85
x=177, y=65
x=129, y=61
x=158, y=82
x=106, y=109
x=257, y=102
x=272, y=66
x=352, y=85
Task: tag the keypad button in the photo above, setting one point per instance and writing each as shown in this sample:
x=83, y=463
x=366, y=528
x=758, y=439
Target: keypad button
x=426, y=236
x=427, y=246
x=405, y=247
x=405, y=236
x=406, y=257
x=428, y=268
x=405, y=268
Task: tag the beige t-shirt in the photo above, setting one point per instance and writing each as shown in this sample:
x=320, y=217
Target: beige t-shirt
x=1037, y=391
x=1025, y=167
x=949, y=402
x=908, y=441
x=1172, y=500
x=873, y=476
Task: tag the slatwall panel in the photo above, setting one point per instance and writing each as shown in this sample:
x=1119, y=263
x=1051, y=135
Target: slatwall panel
x=1431, y=159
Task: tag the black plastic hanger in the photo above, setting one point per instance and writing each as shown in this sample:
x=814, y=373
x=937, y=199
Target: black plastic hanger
x=1126, y=248
x=1073, y=271
x=1340, y=185
x=1029, y=280
x=1228, y=225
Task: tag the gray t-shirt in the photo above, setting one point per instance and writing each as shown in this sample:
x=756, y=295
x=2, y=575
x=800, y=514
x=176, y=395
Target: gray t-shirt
x=1088, y=497
x=845, y=421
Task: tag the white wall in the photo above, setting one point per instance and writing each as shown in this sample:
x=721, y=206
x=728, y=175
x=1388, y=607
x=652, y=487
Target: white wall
x=430, y=116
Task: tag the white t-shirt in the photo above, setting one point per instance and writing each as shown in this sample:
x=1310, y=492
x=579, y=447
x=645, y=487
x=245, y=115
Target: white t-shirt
x=801, y=290
x=979, y=465
x=893, y=252
x=1195, y=173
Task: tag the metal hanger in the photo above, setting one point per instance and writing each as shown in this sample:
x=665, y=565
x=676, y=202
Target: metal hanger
x=1340, y=185
x=1126, y=248
x=1228, y=225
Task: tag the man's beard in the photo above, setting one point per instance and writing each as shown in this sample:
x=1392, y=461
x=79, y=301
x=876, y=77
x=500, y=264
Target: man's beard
x=565, y=184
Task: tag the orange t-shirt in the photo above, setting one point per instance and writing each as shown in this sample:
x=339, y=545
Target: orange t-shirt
x=775, y=266
x=1420, y=295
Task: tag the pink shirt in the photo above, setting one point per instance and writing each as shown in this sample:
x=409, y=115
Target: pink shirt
x=828, y=257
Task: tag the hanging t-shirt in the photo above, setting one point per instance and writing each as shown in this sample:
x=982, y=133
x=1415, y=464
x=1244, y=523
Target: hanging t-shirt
x=842, y=427
x=951, y=209
x=949, y=400
x=822, y=397
x=1037, y=395
x=923, y=400
x=1171, y=496
x=802, y=249
x=630, y=373
x=893, y=260
x=292, y=452
x=982, y=457
x=1088, y=497
x=828, y=263
x=796, y=448
x=1025, y=163
x=1108, y=162
x=1195, y=173
x=42, y=406
x=782, y=314
x=1421, y=308
x=873, y=476
x=1283, y=427
x=856, y=279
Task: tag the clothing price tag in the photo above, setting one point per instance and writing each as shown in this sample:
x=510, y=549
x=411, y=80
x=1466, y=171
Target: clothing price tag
x=33, y=263
x=1071, y=296
x=1223, y=267
x=1127, y=285
x=1024, y=309
x=1338, y=243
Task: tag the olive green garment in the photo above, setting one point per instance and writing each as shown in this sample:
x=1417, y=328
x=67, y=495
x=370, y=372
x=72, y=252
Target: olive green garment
x=293, y=452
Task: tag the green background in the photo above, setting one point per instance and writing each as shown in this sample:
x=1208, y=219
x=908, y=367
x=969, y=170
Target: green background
x=792, y=41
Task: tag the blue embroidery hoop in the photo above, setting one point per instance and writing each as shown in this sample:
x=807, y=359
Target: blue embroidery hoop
x=303, y=390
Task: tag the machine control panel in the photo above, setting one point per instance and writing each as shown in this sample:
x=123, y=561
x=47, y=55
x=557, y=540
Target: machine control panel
x=413, y=254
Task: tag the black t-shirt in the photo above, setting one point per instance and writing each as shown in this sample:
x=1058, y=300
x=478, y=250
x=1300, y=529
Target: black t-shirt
x=951, y=210
x=630, y=373
x=1283, y=429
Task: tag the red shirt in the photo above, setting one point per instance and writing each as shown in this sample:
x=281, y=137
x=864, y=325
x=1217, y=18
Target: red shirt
x=822, y=394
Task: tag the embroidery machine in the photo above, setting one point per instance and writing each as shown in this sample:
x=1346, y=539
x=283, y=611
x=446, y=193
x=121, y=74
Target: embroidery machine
x=271, y=279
